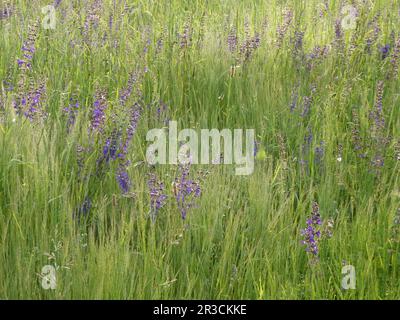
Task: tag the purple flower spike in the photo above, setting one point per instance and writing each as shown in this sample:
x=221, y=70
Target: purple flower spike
x=312, y=233
x=157, y=195
x=186, y=190
x=123, y=179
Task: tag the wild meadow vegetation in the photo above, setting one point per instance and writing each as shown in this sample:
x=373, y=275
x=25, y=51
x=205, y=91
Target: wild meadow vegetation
x=76, y=192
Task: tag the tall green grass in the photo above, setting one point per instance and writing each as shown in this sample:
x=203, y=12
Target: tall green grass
x=243, y=238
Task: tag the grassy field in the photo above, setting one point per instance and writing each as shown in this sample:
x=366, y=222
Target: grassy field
x=76, y=192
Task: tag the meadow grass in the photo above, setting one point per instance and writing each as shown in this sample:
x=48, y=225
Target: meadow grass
x=242, y=238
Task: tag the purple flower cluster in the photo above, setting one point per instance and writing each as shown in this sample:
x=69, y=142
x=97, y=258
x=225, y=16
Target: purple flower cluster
x=394, y=60
x=71, y=111
x=339, y=40
x=6, y=12
x=115, y=145
x=162, y=112
x=111, y=147
x=28, y=49
x=374, y=33
x=384, y=51
x=316, y=55
x=186, y=37
x=284, y=27
x=135, y=113
x=34, y=102
x=56, y=3
x=127, y=92
x=123, y=179
x=30, y=104
x=378, y=128
x=249, y=45
x=298, y=42
x=92, y=20
x=84, y=209
x=307, y=101
x=157, y=195
x=186, y=190
x=256, y=147
x=319, y=152
x=312, y=232
x=98, y=113
x=232, y=40
x=377, y=113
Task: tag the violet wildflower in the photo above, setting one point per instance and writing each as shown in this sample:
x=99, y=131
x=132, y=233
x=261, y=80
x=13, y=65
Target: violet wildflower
x=339, y=40
x=324, y=9
x=308, y=138
x=256, y=41
x=377, y=113
x=28, y=49
x=147, y=39
x=249, y=45
x=111, y=147
x=284, y=27
x=186, y=37
x=375, y=33
x=127, y=92
x=312, y=232
x=232, y=40
x=135, y=114
x=384, y=51
x=8, y=86
x=123, y=179
x=256, y=147
x=316, y=56
x=71, y=111
x=186, y=190
x=31, y=104
x=83, y=210
x=160, y=42
x=92, y=20
x=110, y=22
x=6, y=12
x=307, y=101
x=394, y=60
x=298, y=43
x=379, y=139
x=162, y=112
x=57, y=3
x=157, y=195
x=98, y=113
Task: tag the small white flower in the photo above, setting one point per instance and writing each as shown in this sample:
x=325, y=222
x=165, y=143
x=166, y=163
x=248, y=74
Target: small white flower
x=339, y=159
